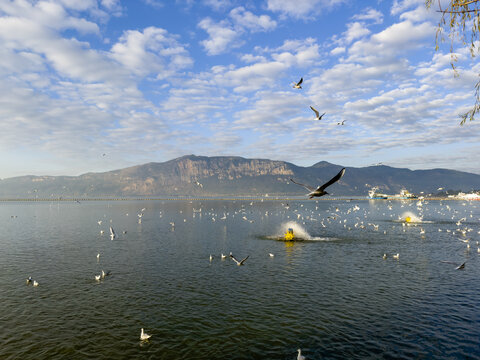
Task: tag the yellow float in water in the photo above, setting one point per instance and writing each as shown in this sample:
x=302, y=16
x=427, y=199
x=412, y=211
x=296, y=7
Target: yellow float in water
x=408, y=219
x=289, y=235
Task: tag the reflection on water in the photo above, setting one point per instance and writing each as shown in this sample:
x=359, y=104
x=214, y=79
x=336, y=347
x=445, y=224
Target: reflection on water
x=333, y=296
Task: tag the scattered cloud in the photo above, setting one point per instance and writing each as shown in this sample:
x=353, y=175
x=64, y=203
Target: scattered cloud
x=221, y=36
x=226, y=34
x=370, y=14
x=151, y=51
x=301, y=8
x=74, y=86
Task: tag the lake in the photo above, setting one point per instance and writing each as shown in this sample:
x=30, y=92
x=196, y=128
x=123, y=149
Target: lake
x=333, y=295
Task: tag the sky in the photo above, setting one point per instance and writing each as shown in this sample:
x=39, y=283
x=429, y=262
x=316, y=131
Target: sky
x=98, y=85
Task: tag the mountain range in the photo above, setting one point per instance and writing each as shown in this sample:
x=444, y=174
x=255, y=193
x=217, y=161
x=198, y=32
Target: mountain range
x=236, y=176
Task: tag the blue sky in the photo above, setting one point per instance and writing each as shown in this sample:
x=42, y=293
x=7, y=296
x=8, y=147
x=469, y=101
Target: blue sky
x=151, y=80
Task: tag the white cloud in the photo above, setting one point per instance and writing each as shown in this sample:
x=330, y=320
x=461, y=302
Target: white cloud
x=247, y=20
x=397, y=39
x=252, y=77
x=221, y=37
x=402, y=5
x=355, y=31
x=152, y=51
x=338, y=50
x=301, y=8
x=218, y=4
x=370, y=14
x=226, y=34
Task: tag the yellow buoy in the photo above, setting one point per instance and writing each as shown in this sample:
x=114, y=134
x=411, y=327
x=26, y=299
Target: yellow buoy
x=289, y=235
x=408, y=219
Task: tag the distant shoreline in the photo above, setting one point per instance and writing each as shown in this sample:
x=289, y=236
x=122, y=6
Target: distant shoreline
x=226, y=198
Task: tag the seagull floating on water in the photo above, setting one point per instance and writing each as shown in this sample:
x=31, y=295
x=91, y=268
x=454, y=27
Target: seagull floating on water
x=317, y=114
x=29, y=280
x=35, y=283
x=396, y=256
x=320, y=191
x=300, y=356
x=144, y=336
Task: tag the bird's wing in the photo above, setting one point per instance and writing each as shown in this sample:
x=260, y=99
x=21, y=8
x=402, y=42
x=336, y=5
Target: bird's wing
x=460, y=267
x=309, y=188
x=320, y=117
x=233, y=258
x=332, y=180
x=314, y=110
x=301, y=80
x=241, y=262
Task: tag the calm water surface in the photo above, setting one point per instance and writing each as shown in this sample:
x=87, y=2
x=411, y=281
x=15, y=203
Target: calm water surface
x=333, y=295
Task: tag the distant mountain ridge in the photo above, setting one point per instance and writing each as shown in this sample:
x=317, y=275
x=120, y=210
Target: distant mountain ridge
x=232, y=175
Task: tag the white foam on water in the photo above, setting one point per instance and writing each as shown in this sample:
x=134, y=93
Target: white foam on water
x=300, y=232
x=413, y=218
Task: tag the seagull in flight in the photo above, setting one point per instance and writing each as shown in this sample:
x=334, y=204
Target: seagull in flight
x=317, y=114
x=112, y=233
x=341, y=123
x=238, y=262
x=298, y=84
x=320, y=191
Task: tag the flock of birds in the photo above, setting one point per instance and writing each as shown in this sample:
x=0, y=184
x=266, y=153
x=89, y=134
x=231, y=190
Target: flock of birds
x=351, y=217
x=298, y=85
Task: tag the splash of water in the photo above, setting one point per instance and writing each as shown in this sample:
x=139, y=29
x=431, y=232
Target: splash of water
x=298, y=230
x=410, y=217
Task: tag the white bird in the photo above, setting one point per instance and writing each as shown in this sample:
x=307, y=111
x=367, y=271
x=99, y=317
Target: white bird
x=298, y=84
x=144, y=336
x=396, y=256
x=241, y=262
x=271, y=255
x=300, y=356
x=384, y=256
x=103, y=274
x=112, y=233
x=35, y=283
x=98, y=257
x=29, y=280
x=211, y=257
x=317, y=114
x=97, y=277
x=223, y=256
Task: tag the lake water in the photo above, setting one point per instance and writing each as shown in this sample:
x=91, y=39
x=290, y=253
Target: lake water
x=332, y=295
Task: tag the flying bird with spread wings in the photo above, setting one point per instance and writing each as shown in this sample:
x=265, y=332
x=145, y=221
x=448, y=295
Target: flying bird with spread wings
x=239, y=263
x=298, y=84
x=317, y=114
x=320, y=191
